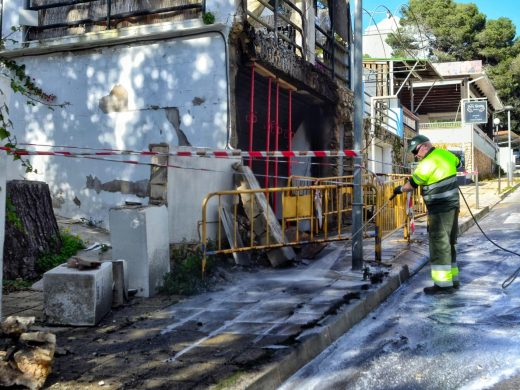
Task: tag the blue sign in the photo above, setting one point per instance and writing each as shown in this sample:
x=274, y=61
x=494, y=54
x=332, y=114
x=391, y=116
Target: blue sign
x=475, y=111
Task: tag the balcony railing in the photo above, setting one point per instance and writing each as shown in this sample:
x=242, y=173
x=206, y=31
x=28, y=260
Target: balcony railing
x=280, y=19
x=331, y=52
x=284, y=21
x=441, y=125
x=58, y=18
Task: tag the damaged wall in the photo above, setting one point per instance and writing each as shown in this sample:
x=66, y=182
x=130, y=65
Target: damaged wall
x=121, y=97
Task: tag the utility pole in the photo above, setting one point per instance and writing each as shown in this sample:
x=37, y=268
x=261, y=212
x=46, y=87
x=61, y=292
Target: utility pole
x=357, y=206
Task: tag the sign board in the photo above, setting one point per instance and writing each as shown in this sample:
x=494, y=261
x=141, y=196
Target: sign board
x=474, y=111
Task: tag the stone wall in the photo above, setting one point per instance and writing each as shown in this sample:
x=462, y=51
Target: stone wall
x=483, y=164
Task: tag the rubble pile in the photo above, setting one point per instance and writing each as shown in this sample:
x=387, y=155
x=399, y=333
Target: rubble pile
x=25, y=357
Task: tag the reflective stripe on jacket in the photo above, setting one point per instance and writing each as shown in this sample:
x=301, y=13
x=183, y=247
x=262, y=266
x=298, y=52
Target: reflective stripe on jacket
x=437, y=174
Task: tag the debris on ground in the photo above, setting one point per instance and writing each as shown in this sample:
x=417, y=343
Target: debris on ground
x=82, y=264
x=25, y=357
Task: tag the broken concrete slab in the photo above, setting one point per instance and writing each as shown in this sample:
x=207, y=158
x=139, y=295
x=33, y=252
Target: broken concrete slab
x=234, y=237
x=265, y=223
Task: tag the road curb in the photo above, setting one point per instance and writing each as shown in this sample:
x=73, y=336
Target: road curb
x=470, y=222
x=333, y=327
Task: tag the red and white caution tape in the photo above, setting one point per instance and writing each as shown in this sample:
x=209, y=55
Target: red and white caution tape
x=188, y=153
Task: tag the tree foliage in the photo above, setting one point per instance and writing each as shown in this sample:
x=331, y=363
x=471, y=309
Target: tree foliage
x=444, y=30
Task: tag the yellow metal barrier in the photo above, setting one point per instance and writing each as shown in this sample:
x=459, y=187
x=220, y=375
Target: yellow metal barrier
x=314, y=210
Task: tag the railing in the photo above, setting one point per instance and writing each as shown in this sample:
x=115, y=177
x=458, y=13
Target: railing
x=317, y=213
x=281, y=18
x=484, y=143
x=333, y=58
x=410, y=119
x=80, y=16
x=440, y=125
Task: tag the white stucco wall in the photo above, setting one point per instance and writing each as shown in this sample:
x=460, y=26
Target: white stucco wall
x=187, y=188
x=448, y=135
x=374, y=37
x=506, y=158
x=172, y=81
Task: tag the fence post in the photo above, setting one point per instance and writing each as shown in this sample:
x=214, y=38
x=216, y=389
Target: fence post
x=407, y=235
x=476, y=191
x=499, y=181
x=379, y=223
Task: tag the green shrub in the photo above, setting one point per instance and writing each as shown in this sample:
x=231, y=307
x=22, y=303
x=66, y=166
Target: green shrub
x=71, y=244
x=15, y=285
x=208, y=18
x=185, y=276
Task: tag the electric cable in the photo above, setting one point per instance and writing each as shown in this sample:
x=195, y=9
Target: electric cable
x=511, y=278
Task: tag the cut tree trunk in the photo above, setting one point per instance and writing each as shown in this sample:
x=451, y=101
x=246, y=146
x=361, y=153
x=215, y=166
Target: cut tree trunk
x=31, y=229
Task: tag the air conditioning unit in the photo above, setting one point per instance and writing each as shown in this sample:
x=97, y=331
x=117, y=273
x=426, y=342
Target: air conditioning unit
x=28, y=18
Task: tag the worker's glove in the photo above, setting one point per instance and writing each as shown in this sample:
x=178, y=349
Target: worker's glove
x=397, y=190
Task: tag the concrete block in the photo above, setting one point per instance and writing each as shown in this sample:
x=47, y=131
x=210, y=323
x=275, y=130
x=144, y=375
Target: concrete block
x=74, y=297
x=139, y=235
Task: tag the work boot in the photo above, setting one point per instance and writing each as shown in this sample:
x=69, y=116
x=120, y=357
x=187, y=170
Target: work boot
x=434, y=290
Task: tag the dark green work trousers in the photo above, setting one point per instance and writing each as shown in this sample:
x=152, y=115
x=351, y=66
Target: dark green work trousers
x=442, y=234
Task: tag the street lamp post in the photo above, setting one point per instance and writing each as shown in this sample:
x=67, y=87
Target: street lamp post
x=496, y=122
x=509, y=164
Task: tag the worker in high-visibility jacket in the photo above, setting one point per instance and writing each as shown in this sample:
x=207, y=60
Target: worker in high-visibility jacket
x=436, y=174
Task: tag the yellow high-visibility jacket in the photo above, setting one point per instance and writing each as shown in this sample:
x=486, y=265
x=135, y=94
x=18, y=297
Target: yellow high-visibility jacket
x=436, y=173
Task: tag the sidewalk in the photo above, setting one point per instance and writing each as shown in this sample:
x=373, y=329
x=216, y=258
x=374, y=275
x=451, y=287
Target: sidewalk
x=254, y=332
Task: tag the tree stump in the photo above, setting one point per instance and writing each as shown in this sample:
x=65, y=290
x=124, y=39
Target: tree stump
x=30, y=228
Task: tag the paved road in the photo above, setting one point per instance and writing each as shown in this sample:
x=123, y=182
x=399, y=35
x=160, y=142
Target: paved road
x=469, y=340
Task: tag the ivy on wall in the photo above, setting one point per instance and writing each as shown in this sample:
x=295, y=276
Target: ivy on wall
x=19, y=82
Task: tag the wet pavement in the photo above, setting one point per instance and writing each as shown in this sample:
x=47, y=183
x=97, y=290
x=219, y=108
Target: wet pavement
x=465, y=340
x=256, y=330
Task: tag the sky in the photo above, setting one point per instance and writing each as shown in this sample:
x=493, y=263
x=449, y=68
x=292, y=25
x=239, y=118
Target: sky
x=493, y=9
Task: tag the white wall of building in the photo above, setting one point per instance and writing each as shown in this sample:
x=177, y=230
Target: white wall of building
x=187, y=188
x=506, y=157
x=374, y=38
x=448, y=135
x=122, y=97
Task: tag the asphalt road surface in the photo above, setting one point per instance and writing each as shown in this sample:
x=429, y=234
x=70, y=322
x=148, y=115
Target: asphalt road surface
x=467, y=340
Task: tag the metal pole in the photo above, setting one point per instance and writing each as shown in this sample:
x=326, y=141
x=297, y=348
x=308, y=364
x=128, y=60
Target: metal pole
x=109, y=14
x=357, y=206
x=509, y=167
x=268, y=134
x=477, y=206
x=373, y=133
x=289, y=136
x=276, y=137
x=499, y=179
x=251, y=113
